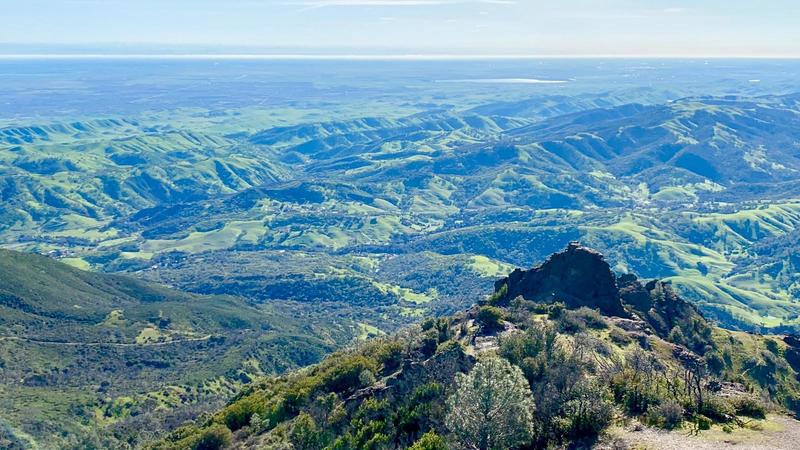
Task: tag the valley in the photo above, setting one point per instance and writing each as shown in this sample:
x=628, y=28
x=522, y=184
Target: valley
x=176, y=235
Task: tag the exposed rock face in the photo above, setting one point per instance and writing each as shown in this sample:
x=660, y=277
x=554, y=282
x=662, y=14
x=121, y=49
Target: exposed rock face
x=577, y=277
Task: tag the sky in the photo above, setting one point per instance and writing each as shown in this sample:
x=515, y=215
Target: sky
x=765, y=28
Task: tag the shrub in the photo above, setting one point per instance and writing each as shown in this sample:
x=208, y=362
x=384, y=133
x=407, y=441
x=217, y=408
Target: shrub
x=429, y=441
x=569, y=323
x=491, y=318
x=590, y=411
x=667, y=415
x=592, y=318
x=304, y=434
x=581, y=319
x=389, y=354
x=703, y=422
x=556, y=310
x=347, y=374
x=717, y=409
x=749, y=406
x=215, y=437
x=238, y=414
x=429, y=343
x=448, y=346
x=498, y=295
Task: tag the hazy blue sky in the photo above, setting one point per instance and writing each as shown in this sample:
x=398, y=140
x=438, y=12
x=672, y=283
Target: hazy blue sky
x=654, y=27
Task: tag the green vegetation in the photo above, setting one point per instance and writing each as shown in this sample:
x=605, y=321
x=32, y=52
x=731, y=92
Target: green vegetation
x=416, y=214
x=104, y=358
x=294, y=228
x=537, y=383
x=491, y=407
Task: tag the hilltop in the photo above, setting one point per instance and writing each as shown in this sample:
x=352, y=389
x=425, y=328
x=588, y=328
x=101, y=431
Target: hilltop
x=588, y=348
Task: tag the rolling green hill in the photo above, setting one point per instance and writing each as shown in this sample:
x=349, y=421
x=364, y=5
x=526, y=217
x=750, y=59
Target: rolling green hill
x=321, y=212
x=80, y=351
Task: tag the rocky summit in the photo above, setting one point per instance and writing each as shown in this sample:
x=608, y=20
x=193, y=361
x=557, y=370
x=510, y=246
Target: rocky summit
x=578, y=277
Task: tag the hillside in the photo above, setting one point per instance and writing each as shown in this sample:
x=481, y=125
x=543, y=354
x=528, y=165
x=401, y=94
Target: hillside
x=377, y=208
x=555, y=357
x=80, y=351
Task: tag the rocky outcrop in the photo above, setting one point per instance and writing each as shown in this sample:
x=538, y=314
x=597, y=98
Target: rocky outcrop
x=578, y=277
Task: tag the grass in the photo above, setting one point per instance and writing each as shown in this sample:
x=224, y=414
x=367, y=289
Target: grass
x=489, y=268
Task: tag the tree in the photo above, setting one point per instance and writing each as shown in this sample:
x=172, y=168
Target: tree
x=492, y=407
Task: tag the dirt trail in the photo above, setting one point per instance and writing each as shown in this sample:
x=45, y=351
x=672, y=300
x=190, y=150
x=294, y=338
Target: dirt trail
x=776, y=433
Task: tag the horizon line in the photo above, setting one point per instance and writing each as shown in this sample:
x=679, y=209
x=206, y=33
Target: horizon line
x=368, y=57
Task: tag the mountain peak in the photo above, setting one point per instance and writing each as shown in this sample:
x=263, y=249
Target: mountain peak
x=577, y=276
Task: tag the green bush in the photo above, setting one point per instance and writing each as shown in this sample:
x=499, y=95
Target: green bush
x=215, y=437
x=429, y=343
x=667, y=415
x=346, y=374
x=590, y=411
x=749, y=406
x=305, y=434
x=703, y=422
x=556, y=310
x=389, y=354
x=429, y=441
x=491, y=318
x=498, y=295
x=575, y=321
x=718, y=409
x=571, y=324
x=592, y=318
x=448, y=346
x=238, y=414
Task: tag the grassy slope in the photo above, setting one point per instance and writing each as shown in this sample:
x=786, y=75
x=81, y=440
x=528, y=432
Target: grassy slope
x=81, y=350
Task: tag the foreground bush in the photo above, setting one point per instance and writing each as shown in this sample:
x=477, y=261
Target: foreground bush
x=749, y=406
x=668, y=415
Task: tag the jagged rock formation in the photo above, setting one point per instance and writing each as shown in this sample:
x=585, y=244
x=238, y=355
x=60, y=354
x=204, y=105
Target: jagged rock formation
x=580, y=277
x=577, y=277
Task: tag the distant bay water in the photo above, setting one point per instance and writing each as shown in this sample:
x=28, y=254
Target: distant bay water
x=504, y=81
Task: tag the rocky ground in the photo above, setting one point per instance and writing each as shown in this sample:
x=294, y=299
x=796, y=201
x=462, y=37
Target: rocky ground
x=775, y=433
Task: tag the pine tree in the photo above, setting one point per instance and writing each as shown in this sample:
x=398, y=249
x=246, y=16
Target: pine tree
x=492, y=407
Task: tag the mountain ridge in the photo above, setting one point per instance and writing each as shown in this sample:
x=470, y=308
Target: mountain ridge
x=390, y=393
